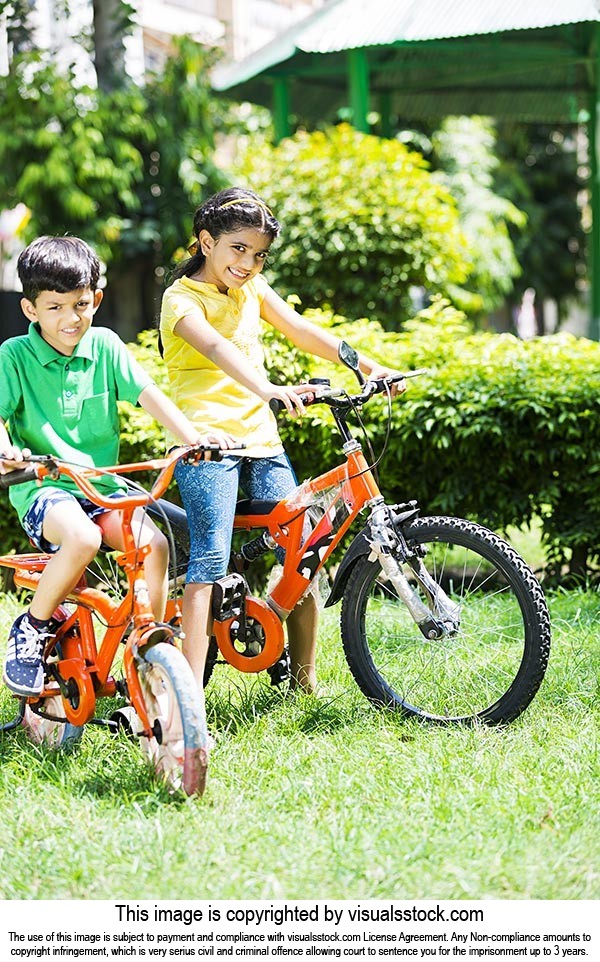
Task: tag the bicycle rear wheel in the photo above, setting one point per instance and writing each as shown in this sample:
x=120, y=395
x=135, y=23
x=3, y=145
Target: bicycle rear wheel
x=179, y=749
x=54, y=731
x=489, y=661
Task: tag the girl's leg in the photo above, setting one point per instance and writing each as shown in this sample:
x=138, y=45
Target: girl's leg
x=197, y=627
x=156, y=564
x=302, y=628
x=272, y=479
x=209, y=493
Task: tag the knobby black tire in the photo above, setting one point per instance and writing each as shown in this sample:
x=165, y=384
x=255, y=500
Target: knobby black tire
x=489, y=669
x=179, y=750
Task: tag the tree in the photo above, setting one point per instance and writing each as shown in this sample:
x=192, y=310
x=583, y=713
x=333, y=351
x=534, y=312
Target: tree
x=119, y=164
x=540, y=172
x=363, y=222
x=112, y=22
x=464, y=153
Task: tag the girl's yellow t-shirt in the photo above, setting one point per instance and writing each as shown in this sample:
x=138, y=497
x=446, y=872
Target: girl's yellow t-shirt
x=209, y=397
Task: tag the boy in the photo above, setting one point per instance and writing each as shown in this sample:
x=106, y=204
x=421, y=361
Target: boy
x=59, y=387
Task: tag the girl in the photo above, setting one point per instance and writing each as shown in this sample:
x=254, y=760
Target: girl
x=210, y=328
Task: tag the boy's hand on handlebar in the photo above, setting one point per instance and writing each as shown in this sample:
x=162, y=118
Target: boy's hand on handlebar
x=13, y=458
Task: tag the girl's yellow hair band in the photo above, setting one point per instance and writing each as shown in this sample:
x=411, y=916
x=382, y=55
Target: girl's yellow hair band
x=246, y=200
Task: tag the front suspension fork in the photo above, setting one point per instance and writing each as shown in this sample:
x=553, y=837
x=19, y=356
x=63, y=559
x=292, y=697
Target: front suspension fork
x=441, y=616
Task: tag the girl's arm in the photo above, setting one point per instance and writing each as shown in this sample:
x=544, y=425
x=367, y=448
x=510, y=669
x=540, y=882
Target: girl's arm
x=195, y=329
x=162, y=409
x=312, y=339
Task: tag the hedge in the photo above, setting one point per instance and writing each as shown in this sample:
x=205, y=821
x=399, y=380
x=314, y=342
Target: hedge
x=499, y=430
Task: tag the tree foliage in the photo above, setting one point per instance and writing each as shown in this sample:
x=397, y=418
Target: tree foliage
x=464, y=152
x=540, y=172
x=363, y=221
x=70, y=153
x=122, y=167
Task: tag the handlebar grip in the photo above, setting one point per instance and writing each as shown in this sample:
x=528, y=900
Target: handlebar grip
x=20, y=476
x=203, y=452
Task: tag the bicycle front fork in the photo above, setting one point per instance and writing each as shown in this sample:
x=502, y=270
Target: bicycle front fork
x=440, y=616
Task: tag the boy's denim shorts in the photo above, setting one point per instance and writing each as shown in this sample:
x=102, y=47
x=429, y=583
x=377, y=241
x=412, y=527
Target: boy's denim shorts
x=33, y=522
x=209, y=492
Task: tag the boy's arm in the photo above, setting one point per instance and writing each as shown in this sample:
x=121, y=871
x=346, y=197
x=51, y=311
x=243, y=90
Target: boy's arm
x=162, y=409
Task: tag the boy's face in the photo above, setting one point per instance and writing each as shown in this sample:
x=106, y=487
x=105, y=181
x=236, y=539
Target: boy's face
x=63, y=318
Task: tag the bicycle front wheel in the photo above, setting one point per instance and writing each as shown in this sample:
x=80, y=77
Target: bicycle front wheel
x=490, y=658
x=178, y=749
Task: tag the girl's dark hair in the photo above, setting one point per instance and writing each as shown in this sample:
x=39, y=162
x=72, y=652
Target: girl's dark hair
x=227, y=211
x=60, y=264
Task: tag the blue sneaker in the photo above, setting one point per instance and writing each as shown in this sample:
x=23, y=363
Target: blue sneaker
x=24, y=671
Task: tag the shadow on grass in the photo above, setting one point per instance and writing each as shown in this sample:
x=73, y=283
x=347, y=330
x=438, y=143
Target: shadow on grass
x=102, y=766
x=241, y=704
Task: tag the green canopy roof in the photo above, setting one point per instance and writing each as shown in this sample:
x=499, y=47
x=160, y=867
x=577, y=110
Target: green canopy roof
x=525, y=59
x=528, y=60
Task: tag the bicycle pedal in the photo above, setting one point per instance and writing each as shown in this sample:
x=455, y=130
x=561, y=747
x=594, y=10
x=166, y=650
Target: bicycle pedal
x=228, y=597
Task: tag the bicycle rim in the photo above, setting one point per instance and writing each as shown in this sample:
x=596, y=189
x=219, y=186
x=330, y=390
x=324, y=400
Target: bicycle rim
x=179, y=749
x=488, y=666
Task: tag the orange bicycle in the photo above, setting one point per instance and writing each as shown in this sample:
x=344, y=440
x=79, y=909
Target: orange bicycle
x=163, y=708
x=441, y=619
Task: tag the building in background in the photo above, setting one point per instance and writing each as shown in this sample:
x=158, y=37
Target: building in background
x=237, y=26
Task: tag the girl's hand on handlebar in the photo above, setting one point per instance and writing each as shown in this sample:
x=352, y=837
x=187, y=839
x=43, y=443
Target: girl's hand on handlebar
x=225, y=441
x=290, y=397
x=378, y=373
x=13, y=458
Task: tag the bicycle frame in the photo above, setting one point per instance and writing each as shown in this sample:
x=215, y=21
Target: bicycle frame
x=82, y=674
x=353, y=487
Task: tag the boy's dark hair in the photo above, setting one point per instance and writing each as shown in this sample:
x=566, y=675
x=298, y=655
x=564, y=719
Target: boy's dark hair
x=60, y=264
x=227, y=211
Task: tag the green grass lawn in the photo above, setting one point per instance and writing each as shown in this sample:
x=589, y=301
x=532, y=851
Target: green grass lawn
x=323, y=797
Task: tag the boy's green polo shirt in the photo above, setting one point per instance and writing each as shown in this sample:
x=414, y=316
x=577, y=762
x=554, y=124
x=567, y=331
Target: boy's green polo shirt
x=67, y=406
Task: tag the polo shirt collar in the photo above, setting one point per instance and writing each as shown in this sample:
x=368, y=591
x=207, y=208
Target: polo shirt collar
x=46, y=353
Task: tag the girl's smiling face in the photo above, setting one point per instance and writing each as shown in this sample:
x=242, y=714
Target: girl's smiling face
x=233, y=258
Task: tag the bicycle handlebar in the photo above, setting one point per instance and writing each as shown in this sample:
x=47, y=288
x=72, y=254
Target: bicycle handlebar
x=20, y=476
x=325, y=394
x=42, y=466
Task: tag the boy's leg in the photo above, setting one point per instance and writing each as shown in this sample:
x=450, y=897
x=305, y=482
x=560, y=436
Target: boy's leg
x=64, y=525
x=78, y=540
x=156, y=564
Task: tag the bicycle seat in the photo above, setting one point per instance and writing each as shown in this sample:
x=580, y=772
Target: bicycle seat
x=255, y=507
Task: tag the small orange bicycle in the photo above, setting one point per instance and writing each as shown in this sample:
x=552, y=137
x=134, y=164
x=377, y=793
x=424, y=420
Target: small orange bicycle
x=441, y=619
x=163, y=707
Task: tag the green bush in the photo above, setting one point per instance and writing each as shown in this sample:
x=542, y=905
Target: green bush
x=363, y=220
x=499, y=430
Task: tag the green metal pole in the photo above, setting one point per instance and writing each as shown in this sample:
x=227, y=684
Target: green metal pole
x=281, y=109
x=385, y=112
x=358, y=84
x=594, y=142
